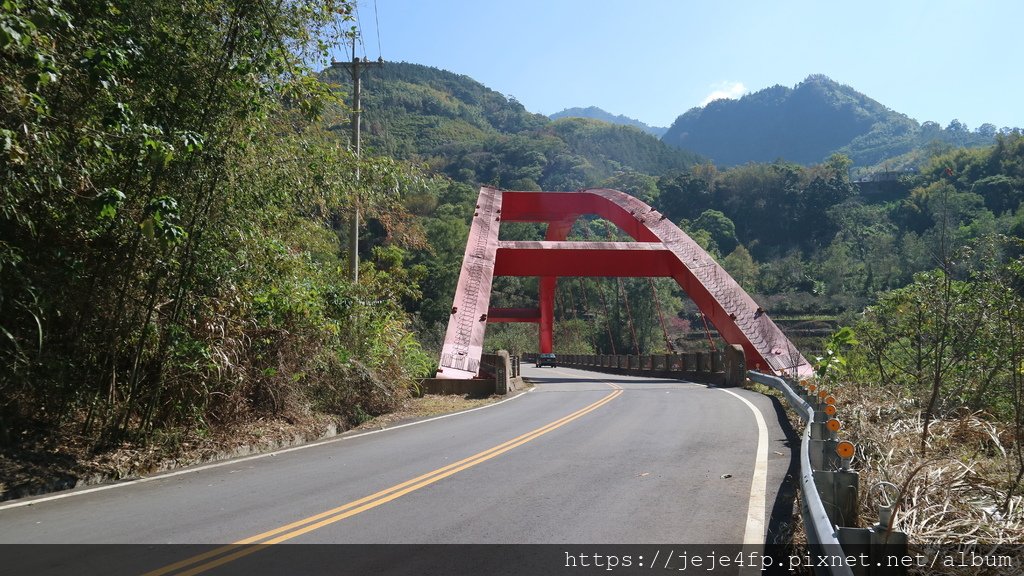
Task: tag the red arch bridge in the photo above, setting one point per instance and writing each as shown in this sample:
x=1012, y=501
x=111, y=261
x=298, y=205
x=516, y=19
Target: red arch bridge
x=659, y=249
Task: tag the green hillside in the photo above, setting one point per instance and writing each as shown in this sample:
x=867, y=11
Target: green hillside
x=476, y=135
x=808, y=123
x=595, y=113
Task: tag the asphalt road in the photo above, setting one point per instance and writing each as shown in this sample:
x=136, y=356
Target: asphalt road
x=582, y=458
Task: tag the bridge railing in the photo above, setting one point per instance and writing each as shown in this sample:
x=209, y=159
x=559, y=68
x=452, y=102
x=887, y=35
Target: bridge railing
x=831, y=491
x=720, y=368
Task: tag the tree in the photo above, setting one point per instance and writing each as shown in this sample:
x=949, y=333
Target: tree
x=720, y=229
x=742, y=267
x=635, y=184
x=168, y=238
x=922, y=338
x=683, y=196
x=839, y=165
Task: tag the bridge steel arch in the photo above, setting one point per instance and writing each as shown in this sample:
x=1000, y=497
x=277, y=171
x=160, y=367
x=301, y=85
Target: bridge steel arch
x=659, y=249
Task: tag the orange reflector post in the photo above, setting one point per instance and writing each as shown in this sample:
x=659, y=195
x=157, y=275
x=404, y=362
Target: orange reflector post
x=834, y=425
x=845, y=449
x=830, y=409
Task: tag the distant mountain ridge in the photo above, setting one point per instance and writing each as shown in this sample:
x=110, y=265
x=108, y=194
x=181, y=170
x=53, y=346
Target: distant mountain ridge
x=478, y=135
x=808, y=123
x=475, y=135
x=596, y=113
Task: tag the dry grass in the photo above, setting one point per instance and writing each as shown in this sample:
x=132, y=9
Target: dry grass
x=956, y=494
x=425, y=407
x=957, y=491
x=954, y=498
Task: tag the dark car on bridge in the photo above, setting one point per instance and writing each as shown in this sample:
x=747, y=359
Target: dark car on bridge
x=547, y=360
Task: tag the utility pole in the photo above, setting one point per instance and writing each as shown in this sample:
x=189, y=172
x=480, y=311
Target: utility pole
x=353, y=232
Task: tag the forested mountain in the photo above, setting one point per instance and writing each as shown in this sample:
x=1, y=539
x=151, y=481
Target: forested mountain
x=809, y=122
x=596, y=113
x=475, y=135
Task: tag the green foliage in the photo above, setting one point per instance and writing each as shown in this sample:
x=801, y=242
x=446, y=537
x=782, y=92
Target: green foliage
x=477, y=136
x=596, y=113
x=741, y=266
x=170, y=223
x=770, y=208
x=925, y=333
x=833, y=358
x=720, y=229
x=951, y=343
x=516, y=338
x=635, y=184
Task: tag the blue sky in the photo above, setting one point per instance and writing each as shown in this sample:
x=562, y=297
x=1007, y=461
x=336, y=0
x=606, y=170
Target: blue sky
x=655, y=59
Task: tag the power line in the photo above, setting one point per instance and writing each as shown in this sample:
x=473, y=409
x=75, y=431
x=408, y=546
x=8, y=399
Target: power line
x=358, y=35
x=376, y=21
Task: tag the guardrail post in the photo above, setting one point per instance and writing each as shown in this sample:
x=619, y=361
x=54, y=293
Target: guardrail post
x=839, y=494
x=735, y=365
x=815, y=452
x=501, y=374
x=880, y=545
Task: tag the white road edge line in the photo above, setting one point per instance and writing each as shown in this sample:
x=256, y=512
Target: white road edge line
x=754, y=533
x=231, y=461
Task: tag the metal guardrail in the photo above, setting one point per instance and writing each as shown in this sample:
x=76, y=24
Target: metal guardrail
x=821, y=532
x=830, y=489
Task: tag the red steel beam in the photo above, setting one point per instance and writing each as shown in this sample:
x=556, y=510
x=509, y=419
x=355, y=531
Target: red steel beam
x=464, y=338
x=513, y=315
x=611, y=259
x=563, y=206
x=660, y=249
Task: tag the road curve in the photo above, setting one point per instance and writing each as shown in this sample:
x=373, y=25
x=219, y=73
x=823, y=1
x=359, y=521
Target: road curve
x=582, y=458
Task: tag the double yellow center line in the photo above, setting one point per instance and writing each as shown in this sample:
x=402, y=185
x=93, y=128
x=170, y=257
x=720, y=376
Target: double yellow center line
x=224, y=554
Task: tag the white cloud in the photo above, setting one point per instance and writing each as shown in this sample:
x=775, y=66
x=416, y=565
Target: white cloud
x=731, y=90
